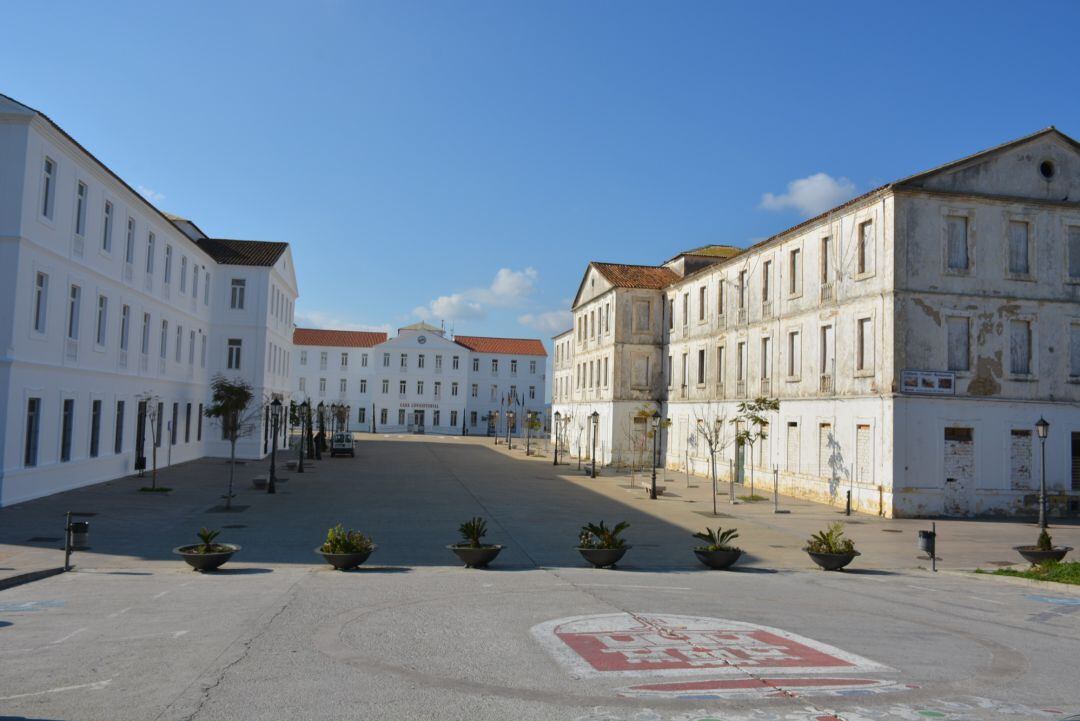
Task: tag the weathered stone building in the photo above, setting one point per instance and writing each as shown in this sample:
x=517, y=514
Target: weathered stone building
x=912, y=335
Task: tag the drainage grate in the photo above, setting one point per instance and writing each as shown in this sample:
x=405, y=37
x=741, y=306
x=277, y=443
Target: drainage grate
x=44, y=539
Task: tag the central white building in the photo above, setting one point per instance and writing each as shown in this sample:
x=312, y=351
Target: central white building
x=420, y=381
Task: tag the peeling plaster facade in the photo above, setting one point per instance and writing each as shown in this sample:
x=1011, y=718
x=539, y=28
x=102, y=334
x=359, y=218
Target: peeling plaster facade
x=913, y=336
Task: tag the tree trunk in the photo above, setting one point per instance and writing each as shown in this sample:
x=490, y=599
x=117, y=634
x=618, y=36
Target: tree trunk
x=232, y=469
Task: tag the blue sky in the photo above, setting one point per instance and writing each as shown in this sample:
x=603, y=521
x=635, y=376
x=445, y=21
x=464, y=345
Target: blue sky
x=463, y=161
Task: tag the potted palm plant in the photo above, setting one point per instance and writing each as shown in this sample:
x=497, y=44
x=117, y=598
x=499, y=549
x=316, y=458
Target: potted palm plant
x=717, y=552
x=1043, y=550
x=472, y=551
x=830, y=549
x=206, y=555
x=345, y=549
x=601, y=546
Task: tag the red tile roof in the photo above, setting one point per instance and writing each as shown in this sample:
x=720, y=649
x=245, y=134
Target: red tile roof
x=511, y=346
x=337, y=338
x=242, y=252
x=637, y=276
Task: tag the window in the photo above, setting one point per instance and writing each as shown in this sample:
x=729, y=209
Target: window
x=419, y=388
x=401, y=416
x=453, y=389
x=303, y=357
x=1020, y=347
x=159, y=420
x=435, y=418
x=454, y=362
x=236, y=299
x=475, y=389
x=145, y=344
x=494, y=366
x=702, y=302
x=198, y=423
x=363, y=360
x=118, y=431
x=173, y=425
x=453, y=419
x=864, y=351
x=80, y=208
x=795, y=271
x=404, y=360
x=1074, y=350
x=206, y=288
x=187, y=423
x=438, y=362
x=766, y=272
x=1073, y=241
x=344, y=360
x=605, y=374
x=73, y=312
x=194, y=281
x=95, y=427
x=323, y=356
x=532, y=367
x=420, y=360
x=827, y=355
x=1020, y=457
x=494, y=392
x=385, y=386
x=361, y=415
x=183, y=274
x=794, y=354
x=641, y=316
x=41, y=300
x=235, y=346
x=766, y=357
x=102, y=318
x=129, y=245
x=740, y=360
x=342, y=385
x=826, y=270
x=532, y=390
x=303, y=384
x=865, y=251
x=701, y=366
x=959, y=343
x=956, y=250
x=685, y=308
x=48, y=193
x=742, y=289
x=67, y=421
x=202, y=351
x=363, y=385
x=164, y=338
x=322, y=386
x=168, y=264
x=33, y=423
x=720, y=360
x=106, y=228
x=720, y=296
x=513, y=366
x=472, y=418
x=125, y=326
x=1019, y=250
x=475, y=365
x=149, y=253
x=401, y=387
x=386, y=360
x=671, y=313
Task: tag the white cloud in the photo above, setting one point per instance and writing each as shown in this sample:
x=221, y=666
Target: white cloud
x=550, y=322
x=150, y=194
x=508, y=289
x=811, y=195
x=318, y=319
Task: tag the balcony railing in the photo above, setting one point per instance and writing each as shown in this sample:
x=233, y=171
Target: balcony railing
x=767, y=310
x=740, y=389
x=826, y=292
x=766, y=386
x=741, y=316
x=122, y=359
x=71, y=350
x=826, y=383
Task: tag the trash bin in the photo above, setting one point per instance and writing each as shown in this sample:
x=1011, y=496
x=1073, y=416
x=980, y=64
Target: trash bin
x=79, y=532
x=926, y=542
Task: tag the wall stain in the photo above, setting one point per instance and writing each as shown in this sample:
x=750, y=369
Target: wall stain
x=987, y=376
x=929, y=310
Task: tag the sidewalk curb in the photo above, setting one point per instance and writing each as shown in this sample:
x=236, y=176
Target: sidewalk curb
x=1028, y=582
x=29, y=577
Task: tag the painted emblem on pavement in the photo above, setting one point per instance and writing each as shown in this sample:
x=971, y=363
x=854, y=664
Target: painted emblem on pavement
x=742, y=659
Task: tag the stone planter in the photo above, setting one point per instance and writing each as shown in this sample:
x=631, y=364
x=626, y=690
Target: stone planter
x=476, y=557
x=603, y=557
x=718, y=560
x=259, y=482
x=832, y=561
x=344, y=561
x=204, y=562
x=1035, y=556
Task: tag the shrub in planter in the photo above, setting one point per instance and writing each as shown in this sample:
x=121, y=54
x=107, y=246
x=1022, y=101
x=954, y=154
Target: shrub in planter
x=830, y=549
x=601, y=546
x=345, y=549
x=717, y=552
x=472, y=551
x=206, y=555
x=1044, y=550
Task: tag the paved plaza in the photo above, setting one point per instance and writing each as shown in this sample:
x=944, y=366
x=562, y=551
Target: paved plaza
x=132, y=634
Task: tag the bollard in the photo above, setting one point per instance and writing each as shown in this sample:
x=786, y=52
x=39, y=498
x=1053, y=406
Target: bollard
x=928, y=544
x=731, y=482
x=847, y=510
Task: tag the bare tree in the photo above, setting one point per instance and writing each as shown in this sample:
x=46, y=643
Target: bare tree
x=230, y=406
x=711, y=426
x=752, y=425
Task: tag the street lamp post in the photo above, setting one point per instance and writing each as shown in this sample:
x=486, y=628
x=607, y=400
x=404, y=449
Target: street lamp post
x=1042, y=429
x=655, y=451
x=509, y=423
x=528, y=431
x=334, y=418
x=348, y=417
x=557, y=417
x=595, y=425
x=275, y=418
x=302, y=410
x=321, y=417
x=494, y=423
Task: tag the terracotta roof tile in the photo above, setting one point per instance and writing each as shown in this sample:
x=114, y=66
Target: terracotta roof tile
x=637, y=276
x=337, y=338
x=242, y=252
x=512, y=346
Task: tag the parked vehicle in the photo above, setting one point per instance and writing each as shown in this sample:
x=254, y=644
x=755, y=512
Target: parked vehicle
x=342, y=444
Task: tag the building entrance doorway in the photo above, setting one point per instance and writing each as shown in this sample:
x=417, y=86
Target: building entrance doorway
x=418, y=421
x=959, y=471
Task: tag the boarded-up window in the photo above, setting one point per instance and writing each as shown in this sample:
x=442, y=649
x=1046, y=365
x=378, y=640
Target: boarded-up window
x=865, y=252
x=959, y=331
x=825, y=450
x=1020, y=347
x=957, y=227
x=701, y=366
x=641, y=316
x=640, y=377
x=766, y=358
x=1074, y=350
x=740, y=368
x=1020, y=459
x=864, y=454
x=794, y=368
x=864, y=356
x=1018, y=247
x=792, y=459
x=1074, y=252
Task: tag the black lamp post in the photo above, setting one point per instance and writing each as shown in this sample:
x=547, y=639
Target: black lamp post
x=303, y=409
x=275, y=419
x=348, y=417
x=334, y=417
x=528, y=430
x=655, y=451
x=595, y=416
x=509, y=423
x=557, y=417
x=493, y=423
x=1042, y=429
x=321, y=417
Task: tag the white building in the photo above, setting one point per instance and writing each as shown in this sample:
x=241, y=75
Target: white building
x=420, y=381
x=113, y=314
x=913, y=336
